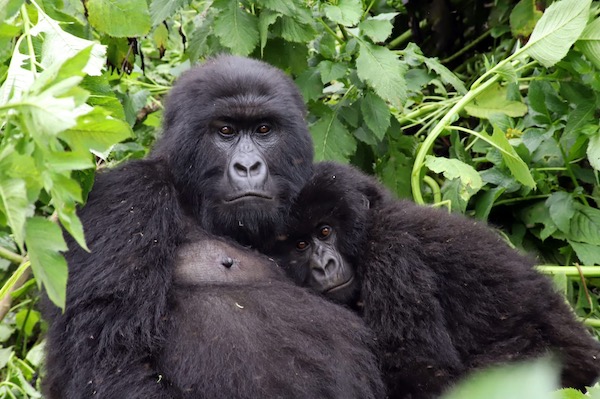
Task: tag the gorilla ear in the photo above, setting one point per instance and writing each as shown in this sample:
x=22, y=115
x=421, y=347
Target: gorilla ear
x=365, y=202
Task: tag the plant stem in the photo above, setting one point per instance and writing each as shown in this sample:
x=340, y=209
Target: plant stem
x=11, y=256
x=467, y=47
x=570, y=271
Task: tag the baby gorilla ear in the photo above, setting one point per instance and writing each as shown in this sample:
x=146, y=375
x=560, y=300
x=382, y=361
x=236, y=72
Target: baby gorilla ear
x=366, y=203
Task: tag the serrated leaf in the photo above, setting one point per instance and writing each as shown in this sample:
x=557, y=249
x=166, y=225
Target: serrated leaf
x=117, y=18
x=494, y=101
x=96, y=132
x=60, y=45
x=331, y=70
x=517, y=166
x=381, y=69
x=588, y=254
x=18, y=79
x=557, y=30
x=332, y=140
x=593, y=151
x=160, y=10
x=160, y=37
x=266, y=19
x=293, y=31
x=236, y=28
x=585, y=225
x=44, y=246
x=446, y=75
x=15, y=206
x=589, y=42
x=485, y=202
x=346, y=12
x=562, y=208
x=309, y=83
x=470, y=180
x=376, y=114
x=379, y=27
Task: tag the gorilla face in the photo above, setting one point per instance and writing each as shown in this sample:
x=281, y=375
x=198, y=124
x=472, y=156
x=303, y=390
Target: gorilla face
x=238, y=147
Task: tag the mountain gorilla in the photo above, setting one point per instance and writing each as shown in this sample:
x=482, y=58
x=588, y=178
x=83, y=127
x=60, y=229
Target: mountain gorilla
x=239, y=307
x=443, y=293
x=235, y=149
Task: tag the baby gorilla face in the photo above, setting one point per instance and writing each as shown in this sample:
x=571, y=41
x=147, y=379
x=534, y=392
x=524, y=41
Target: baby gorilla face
x=214, y=261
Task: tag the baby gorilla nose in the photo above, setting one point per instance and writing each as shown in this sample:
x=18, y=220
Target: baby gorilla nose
x=227, y=262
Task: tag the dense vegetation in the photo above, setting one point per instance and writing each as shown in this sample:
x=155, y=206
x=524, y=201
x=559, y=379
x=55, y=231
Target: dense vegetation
x=486, y=108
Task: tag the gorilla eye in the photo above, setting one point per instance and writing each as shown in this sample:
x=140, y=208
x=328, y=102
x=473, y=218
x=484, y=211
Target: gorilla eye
x=226, y=130
x=325, y=231
x=301, y=245
x=263, y=129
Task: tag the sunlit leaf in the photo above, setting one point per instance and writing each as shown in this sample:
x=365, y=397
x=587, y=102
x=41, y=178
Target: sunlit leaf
x=236, y=28
x=593, y=151
x=379, y=27
x=589, y=42
x=117, y=18
x=494, y=101
x=15, y=206
x=332, y=140
x=346, y=12
x=469, y=179
x=376, y=114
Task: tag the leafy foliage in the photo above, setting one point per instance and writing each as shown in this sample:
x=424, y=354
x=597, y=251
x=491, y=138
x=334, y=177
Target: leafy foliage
x=497, y=119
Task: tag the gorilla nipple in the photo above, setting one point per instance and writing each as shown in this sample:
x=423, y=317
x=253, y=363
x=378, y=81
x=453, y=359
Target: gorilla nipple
x=227, y=262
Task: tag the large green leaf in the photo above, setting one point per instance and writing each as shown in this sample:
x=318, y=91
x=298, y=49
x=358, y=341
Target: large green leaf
x=593, y=151
x=44, y=246
x=588, y=254
x=585, y=225
x=163, y=9
x=523, y=18
x=379, y=27
x=332, y=139
x=381, y=69
x=494, y=101
x=562, y=209
x=376, y=114
x=557, y=30
x=117, y=18
x=517, y=166
x=236, y=28
x=346, y=12
x=15, y=206
x=470, y=181
x=589, y=42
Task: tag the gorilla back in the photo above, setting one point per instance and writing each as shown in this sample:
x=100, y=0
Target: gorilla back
x=242, y=330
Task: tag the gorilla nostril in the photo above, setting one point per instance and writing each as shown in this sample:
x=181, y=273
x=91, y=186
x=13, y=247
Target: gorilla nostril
x=227, y=262
x=240, y=169
x=256, y=169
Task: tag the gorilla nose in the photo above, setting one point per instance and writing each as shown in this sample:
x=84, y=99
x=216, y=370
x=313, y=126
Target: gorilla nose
x=323, y=269
x=247, y=171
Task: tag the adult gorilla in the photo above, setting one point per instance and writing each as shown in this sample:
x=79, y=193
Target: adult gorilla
x=235, y=149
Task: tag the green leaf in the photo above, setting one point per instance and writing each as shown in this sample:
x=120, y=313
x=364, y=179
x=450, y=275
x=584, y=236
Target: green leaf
x=15, y=206
x=585, y=225
x=346, y=12
x=26, y=320
x=562, y=209
x=18, y=79
x=160, y=10
x=266, y=19
x=236, y=28
x=470, y=181
x=160, y=37
x=531, y=380
x=485, y=202
x=331, y=70
x=8, y=8
x=381, y=69
x=445, y=74
x=44, y=246
x=376, y=113
x=309, y=83
x=96, y=132
x=5, y=354
x=593, y=151
x=379, y=27
x=494, y=101
x=60, y=45
x=117, y=18
x=332, y=139
x=588, y=254
x=516, y=165
x=293, y=31
x=557, y=30
x=589, y=42
x=523, y=18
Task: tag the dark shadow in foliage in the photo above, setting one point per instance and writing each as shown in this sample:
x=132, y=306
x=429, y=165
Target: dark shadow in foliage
x=443, y=293
x=235, y=150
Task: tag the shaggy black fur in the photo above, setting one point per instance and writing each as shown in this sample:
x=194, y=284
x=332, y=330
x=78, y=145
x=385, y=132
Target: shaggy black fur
x=443, y=293
x=233, y=126
x=259, y=335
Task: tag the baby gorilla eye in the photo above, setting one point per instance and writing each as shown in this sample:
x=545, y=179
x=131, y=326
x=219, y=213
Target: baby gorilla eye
x=263, y=129
x=301, y=245
x=226, y=130
x=324, y=231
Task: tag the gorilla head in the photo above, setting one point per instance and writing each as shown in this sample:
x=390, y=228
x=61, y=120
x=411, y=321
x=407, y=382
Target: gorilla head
x=234, y=130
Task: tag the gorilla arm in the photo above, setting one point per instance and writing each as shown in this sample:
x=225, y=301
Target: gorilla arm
x=117, y=293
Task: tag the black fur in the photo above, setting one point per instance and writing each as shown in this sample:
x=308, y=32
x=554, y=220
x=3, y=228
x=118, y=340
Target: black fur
x=117, y=318
x=443, y=293
x=258, y=335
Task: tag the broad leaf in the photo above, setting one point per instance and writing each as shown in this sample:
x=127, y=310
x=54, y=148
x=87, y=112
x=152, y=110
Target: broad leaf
x=116, y=18
x=562, y=209
x=469, y=179
x=309, y=83
x=15, y=206
x=589, y=42
x=585, y=225
x=376, y=114
x=18, y=79
x=381, y=69
x=379, y=27
x=163, y=9
x=523, y=18
x=593, y=151
x=588, y=254
x=332, y=139
x=236, y=28
x=494, y=101
x=331, y=70
x=557, y=30
x=346, y=12
x=44, y=246
x=516, y=165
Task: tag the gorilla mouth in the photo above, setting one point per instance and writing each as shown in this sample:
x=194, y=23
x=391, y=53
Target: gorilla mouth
x=251, y=194
x=341, y=286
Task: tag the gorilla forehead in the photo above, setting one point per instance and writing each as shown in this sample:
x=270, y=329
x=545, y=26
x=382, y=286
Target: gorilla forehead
x=236, y=88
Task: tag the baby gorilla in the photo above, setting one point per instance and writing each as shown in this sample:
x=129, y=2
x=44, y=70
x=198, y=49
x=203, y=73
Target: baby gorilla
x=240, y=329
x=443, y=293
